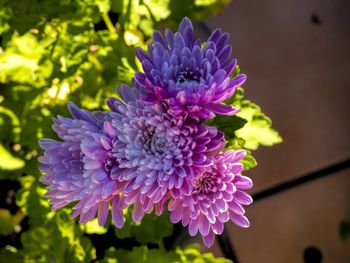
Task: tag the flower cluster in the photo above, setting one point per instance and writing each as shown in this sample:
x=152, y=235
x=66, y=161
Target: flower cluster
x=153, y=151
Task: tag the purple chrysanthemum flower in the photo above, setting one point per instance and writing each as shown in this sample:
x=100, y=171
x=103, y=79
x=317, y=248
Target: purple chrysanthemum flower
x=216, y=198
x=190, y=78
x=161, y=154
x=79, y=168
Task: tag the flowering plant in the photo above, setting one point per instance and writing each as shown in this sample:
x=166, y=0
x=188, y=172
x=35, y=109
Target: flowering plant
x=154, y=148
x=170, y=147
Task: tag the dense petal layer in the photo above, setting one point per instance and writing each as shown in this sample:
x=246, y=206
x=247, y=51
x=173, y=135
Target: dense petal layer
x=217, y=196
x=162, y=154
x=191, y=78
x=78, y=168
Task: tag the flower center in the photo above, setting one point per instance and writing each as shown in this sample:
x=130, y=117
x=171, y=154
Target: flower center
x=188, y=77
x=204, y=184
x=110, y=162
x=151, y=143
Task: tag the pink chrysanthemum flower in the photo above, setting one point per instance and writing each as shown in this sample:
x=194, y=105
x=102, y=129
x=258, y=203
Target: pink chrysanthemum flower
x=79, y=168
x=217, y=196
x=161, y=154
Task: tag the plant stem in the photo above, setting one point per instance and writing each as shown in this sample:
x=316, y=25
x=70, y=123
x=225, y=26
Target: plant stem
x=108, y=23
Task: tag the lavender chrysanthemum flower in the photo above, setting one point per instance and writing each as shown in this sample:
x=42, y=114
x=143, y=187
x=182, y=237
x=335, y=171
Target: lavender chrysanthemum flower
x=161, y=154
x=78, y=169
x=190, y=78
x=216, y=198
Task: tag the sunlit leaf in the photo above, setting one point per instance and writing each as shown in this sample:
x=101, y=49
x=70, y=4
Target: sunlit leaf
x=138, y=254
x=18, y=62
x=144, y=255
x=8, y=161
x=103, y=5
x=204, y=2
x=257, y=131
x=8, y=221
x=92, y=227
x=30, y=198
x=193, y=254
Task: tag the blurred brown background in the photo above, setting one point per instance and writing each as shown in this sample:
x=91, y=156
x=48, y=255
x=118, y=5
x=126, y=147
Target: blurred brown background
x=297, y=58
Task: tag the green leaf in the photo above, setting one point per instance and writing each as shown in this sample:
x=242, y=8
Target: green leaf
x=103, y=5
x=129, y=17
x=92, y=227
x=152, y=228
x=238, y=144
x=193, y=254
x=18, y=63
x=8, y=222
x=227, y=124
x=249, y=161
x=204, y=2
x=140, y=255
x=158, y=9
x=196, y=9
x=78, y=247
x=58, y=240
x=10, y=254
x=30, y=198
x=8, y=161
x=5, y=16
x=6, y=226
x=257, y=131
x=248, y=129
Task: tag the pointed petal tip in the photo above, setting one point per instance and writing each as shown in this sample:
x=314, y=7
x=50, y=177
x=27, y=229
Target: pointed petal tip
x=74, y=110
x=185, y=23
x=208, y=240
x=141, y=54
x=240, y=79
